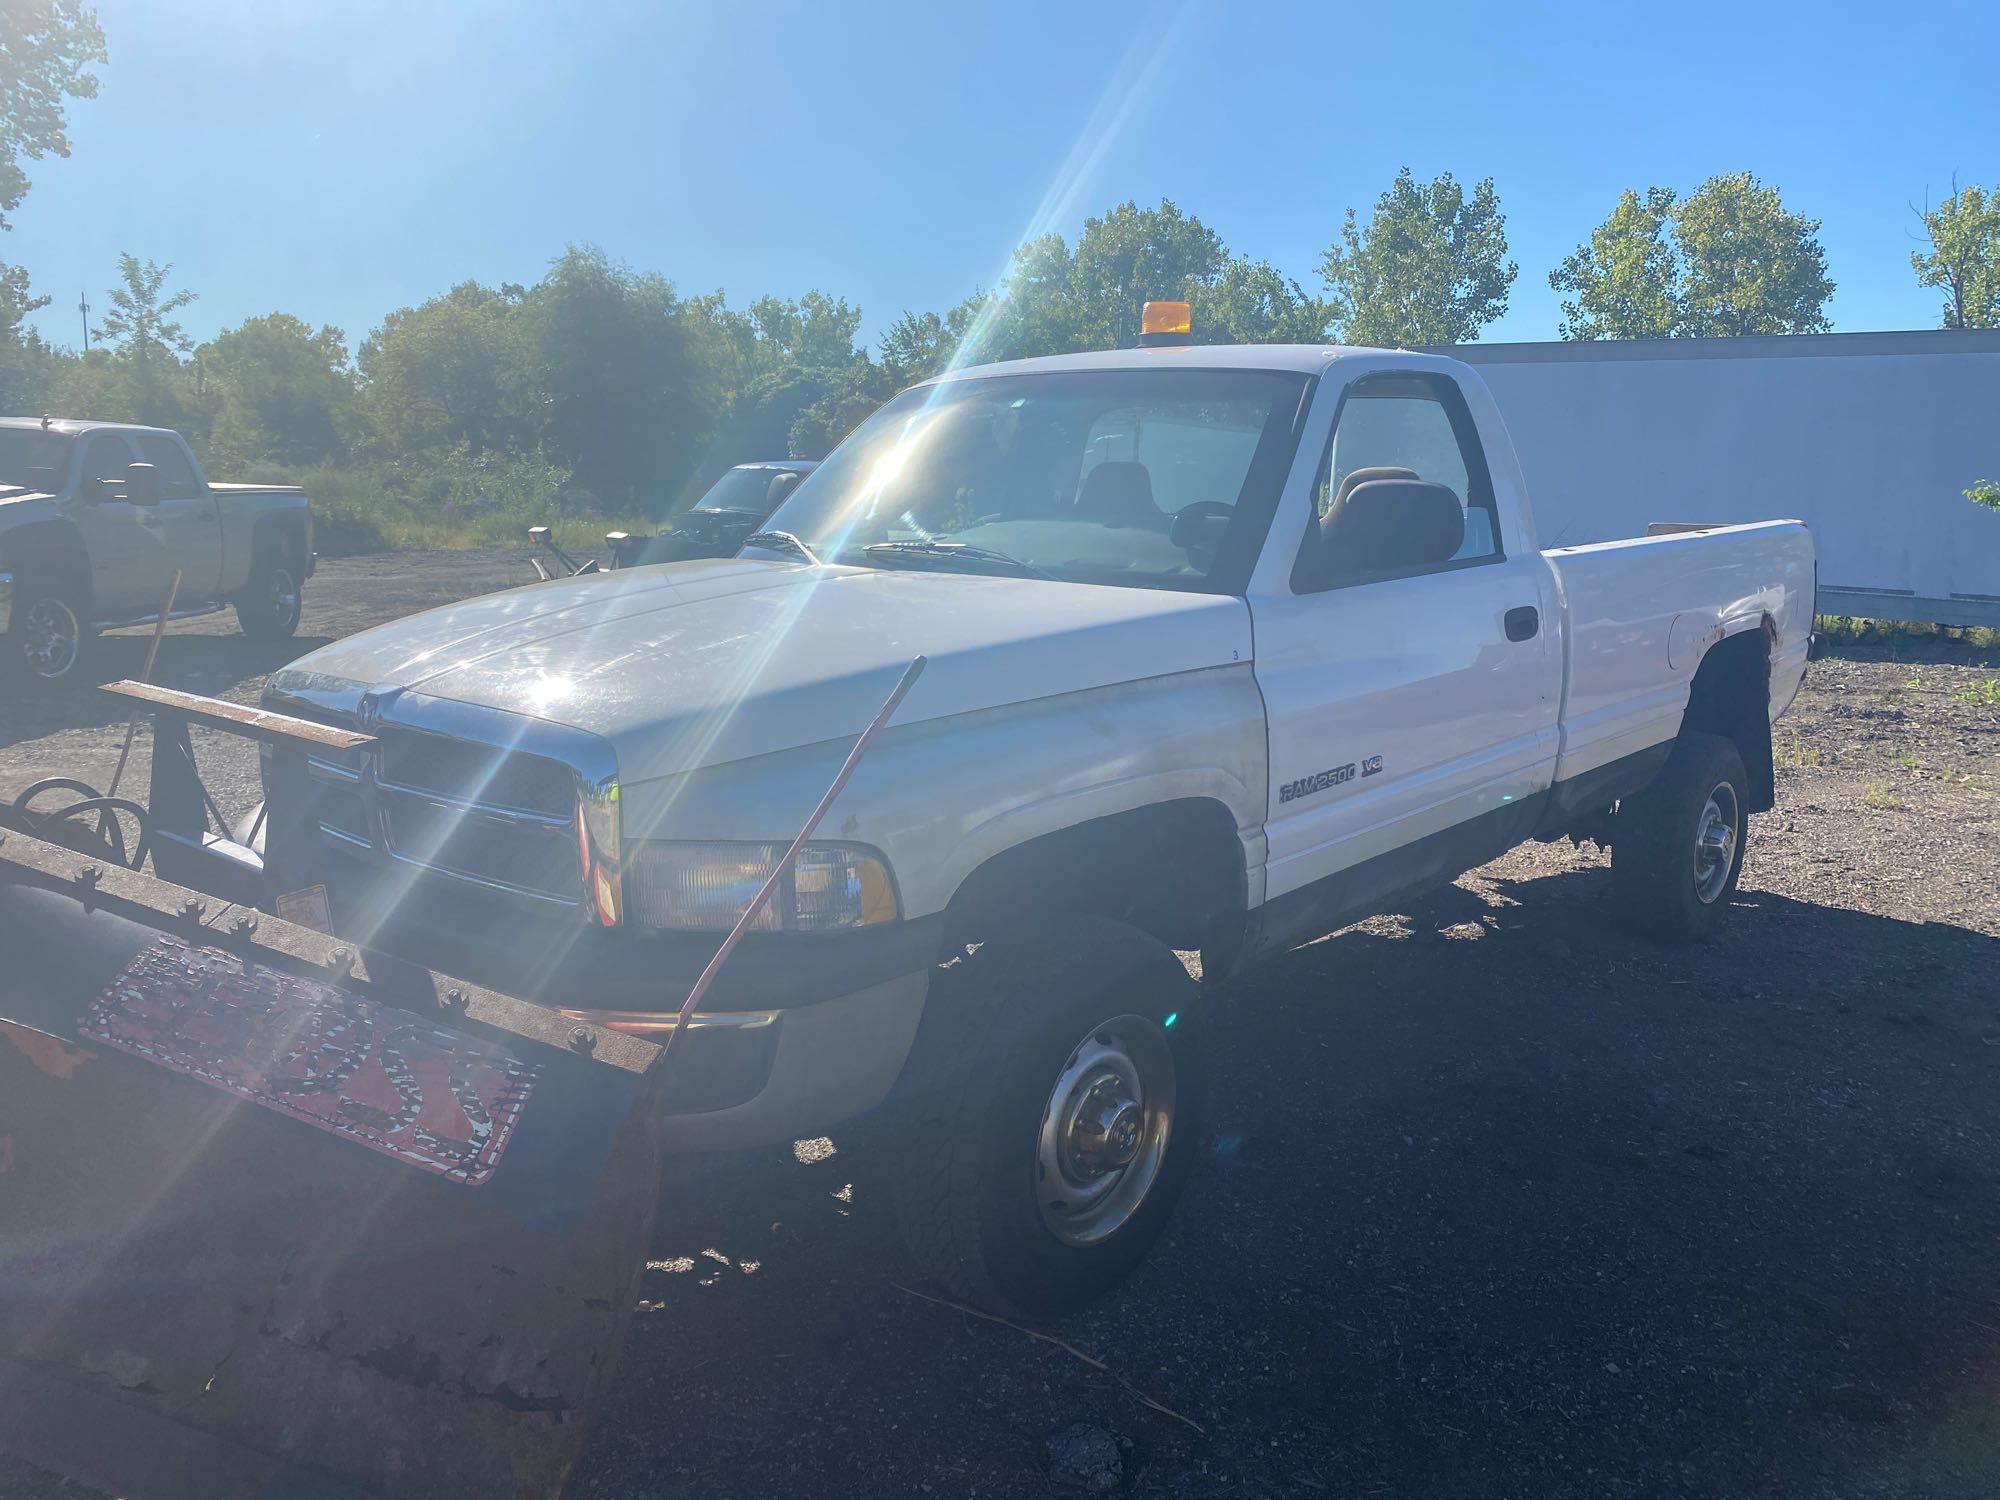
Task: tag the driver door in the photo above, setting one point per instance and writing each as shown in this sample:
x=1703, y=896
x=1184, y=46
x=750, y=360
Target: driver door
x=126, y=542
x=1412, y=716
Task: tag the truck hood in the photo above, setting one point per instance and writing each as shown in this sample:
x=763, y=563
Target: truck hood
x=699, y=663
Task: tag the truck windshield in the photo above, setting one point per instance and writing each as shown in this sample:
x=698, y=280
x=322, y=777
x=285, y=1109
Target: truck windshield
x=740, y=489
x=24, y=450
x=1141, y=478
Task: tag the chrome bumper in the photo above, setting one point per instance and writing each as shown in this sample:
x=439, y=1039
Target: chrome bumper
x=6, y=601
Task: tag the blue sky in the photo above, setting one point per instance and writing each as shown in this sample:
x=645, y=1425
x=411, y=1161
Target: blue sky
x=339, y=158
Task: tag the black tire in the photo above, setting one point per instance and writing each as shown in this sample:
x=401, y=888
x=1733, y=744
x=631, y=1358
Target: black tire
x=963, y=1138
x=268, y=608
x=41, y=614
x=1669, y=877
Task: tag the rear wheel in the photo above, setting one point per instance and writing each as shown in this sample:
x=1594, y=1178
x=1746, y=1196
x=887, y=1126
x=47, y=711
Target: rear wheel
x=268, y=608
x=1049, y=1114
x=46, y=637
x=1677, y=847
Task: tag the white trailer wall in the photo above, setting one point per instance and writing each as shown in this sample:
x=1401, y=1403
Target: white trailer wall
x=1870, y=438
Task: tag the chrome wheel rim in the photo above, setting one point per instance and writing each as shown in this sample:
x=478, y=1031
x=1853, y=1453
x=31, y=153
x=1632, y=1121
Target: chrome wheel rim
x=1104, y=1131
x=1715, y=844
x=50, y=638
x=284, y=596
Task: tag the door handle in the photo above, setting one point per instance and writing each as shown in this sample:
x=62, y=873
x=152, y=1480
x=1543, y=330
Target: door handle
x=1522, y=622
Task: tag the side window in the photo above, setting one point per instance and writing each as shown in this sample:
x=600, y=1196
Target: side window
x=1411, y=427
x=105, y=456
x=177, y=476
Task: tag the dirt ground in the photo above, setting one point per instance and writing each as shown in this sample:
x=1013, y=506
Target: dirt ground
x=1494, y=1198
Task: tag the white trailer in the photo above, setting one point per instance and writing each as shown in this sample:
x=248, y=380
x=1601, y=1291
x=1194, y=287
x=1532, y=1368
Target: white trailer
x=1870, y=438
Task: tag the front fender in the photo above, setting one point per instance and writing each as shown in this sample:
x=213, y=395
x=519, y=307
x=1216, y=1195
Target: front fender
x=941, y=798
x=37, y=540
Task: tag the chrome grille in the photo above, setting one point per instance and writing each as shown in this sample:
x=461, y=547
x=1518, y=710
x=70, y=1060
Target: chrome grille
x=470, y=806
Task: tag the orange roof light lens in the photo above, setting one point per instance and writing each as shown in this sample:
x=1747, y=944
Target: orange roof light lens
x=1166, y=317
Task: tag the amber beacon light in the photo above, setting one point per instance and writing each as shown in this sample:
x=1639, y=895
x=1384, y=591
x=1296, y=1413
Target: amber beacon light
x=1166, y=323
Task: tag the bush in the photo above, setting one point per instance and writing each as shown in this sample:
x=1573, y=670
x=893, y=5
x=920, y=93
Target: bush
x=454, y=499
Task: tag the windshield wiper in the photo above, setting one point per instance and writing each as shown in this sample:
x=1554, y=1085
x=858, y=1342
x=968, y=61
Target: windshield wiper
x=950, y=551
x=782, y=539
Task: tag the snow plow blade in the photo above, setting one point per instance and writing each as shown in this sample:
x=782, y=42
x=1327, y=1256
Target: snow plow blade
x=282, y=1218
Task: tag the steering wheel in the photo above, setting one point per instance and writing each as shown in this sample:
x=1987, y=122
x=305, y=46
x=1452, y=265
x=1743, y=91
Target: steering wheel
x=1195, y=530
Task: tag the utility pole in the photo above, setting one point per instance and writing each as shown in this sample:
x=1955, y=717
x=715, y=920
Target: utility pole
x=84, y=307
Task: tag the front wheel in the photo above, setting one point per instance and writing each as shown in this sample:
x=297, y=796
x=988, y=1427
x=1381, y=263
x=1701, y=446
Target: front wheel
x=1677, y=846
x=1048, y=1116
x=268, y=608
x=46, y=637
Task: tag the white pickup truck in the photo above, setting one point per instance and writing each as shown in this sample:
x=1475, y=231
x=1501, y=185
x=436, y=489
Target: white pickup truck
x=97, y=517
x=1227, y=647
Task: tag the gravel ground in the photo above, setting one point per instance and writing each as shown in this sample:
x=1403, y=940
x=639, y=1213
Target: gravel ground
x=1495, y=1199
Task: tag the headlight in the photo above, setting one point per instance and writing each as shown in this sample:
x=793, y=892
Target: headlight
x=676, y=887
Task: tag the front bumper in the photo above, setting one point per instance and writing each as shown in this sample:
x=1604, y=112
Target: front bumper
x=797, y=1033
x=6, y=601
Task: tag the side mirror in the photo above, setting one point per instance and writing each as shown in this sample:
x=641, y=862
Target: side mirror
x=615, y=542
x=142, y=484
x=1388, y=526
x=539, y=535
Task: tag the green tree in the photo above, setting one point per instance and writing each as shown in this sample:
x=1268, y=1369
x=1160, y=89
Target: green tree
x=1964, y=256
x=609, y=373
x=1430, y=266
x=1250, y=302
x=921, y=345
x=24, y=359
x=814, y=331
x=1057, y=301
x=448, y=373
x=141, y=322
x=1626, y=282
x=46, y=49
x=1132, y=254
x=1747, y=265
x=283, y=393
x=148, y=342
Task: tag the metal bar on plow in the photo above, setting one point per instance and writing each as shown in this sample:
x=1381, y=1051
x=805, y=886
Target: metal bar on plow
x=97, y=884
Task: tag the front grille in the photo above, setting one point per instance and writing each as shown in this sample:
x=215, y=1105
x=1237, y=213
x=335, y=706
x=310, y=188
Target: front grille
x=461, y=808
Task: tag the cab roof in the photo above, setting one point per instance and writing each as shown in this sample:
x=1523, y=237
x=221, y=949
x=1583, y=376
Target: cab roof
x=1303, y=359
x=71, y=426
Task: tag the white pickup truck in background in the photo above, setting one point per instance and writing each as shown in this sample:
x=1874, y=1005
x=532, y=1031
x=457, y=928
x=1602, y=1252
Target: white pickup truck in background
x=97, y=517
x=1227, y=647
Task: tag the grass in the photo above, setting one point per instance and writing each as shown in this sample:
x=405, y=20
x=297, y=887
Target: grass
x=1881, y=799
x=456, y=503
x=1980, y=694
x=1796, y=753
x=1898, y=635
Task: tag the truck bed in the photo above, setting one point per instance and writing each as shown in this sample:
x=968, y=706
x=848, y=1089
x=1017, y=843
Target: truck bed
x=1642, y=604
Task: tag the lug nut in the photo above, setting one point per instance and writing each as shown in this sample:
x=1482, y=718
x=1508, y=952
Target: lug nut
x=582, y=1040
x=193, y=907
x=90, y=874
x=243, y=923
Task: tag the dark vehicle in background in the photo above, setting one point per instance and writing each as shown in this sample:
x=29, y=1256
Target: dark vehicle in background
x=719, y=522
